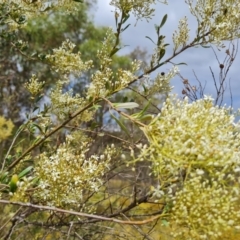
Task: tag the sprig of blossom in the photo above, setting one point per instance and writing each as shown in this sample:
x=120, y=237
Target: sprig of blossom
x=64, y=104
x=220, y=18
x=65, y=61
x=124, y=77
x=140, y=8
x=158, y=53
x=101, y=80
x=34, y=86
x=65, y=174
x=22, y=10
x=161, y=83
x=181, y=36
x=105, y=81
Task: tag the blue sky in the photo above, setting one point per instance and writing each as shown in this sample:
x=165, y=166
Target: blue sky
x=198, y=59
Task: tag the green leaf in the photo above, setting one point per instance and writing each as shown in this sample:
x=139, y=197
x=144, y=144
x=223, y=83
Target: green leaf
x=38, y=98
x=25, y=172
x=42, y=56
x=140, y=115
x=161, y=54
x=163, y=20
x=147, y=117
x=123, y=29
x=182, y=63
x=80, y=1
x=165, y=45
x=126, y=105
x=157, y=28
x=35, y=108
x=144, y=88
x=150, y=39
x=95, y=107
x=38, y=127
x=35, y=181
x=125, y=17
x=122, y=126
x=160, y=38
x=205, y=46
x=165, y=222
x=90, y=99
x=107, y=86
x=114, y=51
x=3, y=176
x=145, y=108
x=125, y=99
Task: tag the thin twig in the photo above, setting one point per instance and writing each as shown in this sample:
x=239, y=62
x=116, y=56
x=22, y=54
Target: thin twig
x=80, y=214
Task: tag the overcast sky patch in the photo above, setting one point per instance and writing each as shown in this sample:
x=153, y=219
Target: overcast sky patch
x=198, y=59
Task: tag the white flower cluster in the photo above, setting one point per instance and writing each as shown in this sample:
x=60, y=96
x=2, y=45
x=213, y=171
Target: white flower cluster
x=66, y=174
x=195, y=152
x=140, y=8
x=64, y=104
x=64, y=60
x=162, y=82
x=34, y=86
x=220, y=18
x=206, y=208
x=181, y=36
x=103, y=81
x=194, y=134
x=22, y=10
x=124, y=77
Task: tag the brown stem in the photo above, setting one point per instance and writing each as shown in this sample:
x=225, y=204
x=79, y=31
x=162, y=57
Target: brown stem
x=80, y=214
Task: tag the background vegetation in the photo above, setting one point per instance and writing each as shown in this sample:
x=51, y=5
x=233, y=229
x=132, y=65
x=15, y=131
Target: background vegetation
x=94, y=147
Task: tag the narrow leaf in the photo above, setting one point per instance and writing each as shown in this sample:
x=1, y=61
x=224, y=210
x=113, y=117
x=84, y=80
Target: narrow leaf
x=25, y=172
x=160, y=38
x=126, y=105
x=162, y=53
x=123, y=29
x=122, y=126
x=38, y=127
x=182, y=63
x=147, y=117
x=150, y=39
x=144, y=88
x=157, y=28
x=163, y=20
x=125, y=17
x=205, y=46
x=114, y=51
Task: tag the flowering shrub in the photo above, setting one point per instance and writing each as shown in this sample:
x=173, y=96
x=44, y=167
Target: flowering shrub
x=66, y=174
x=194, y=151
x=62, y=158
